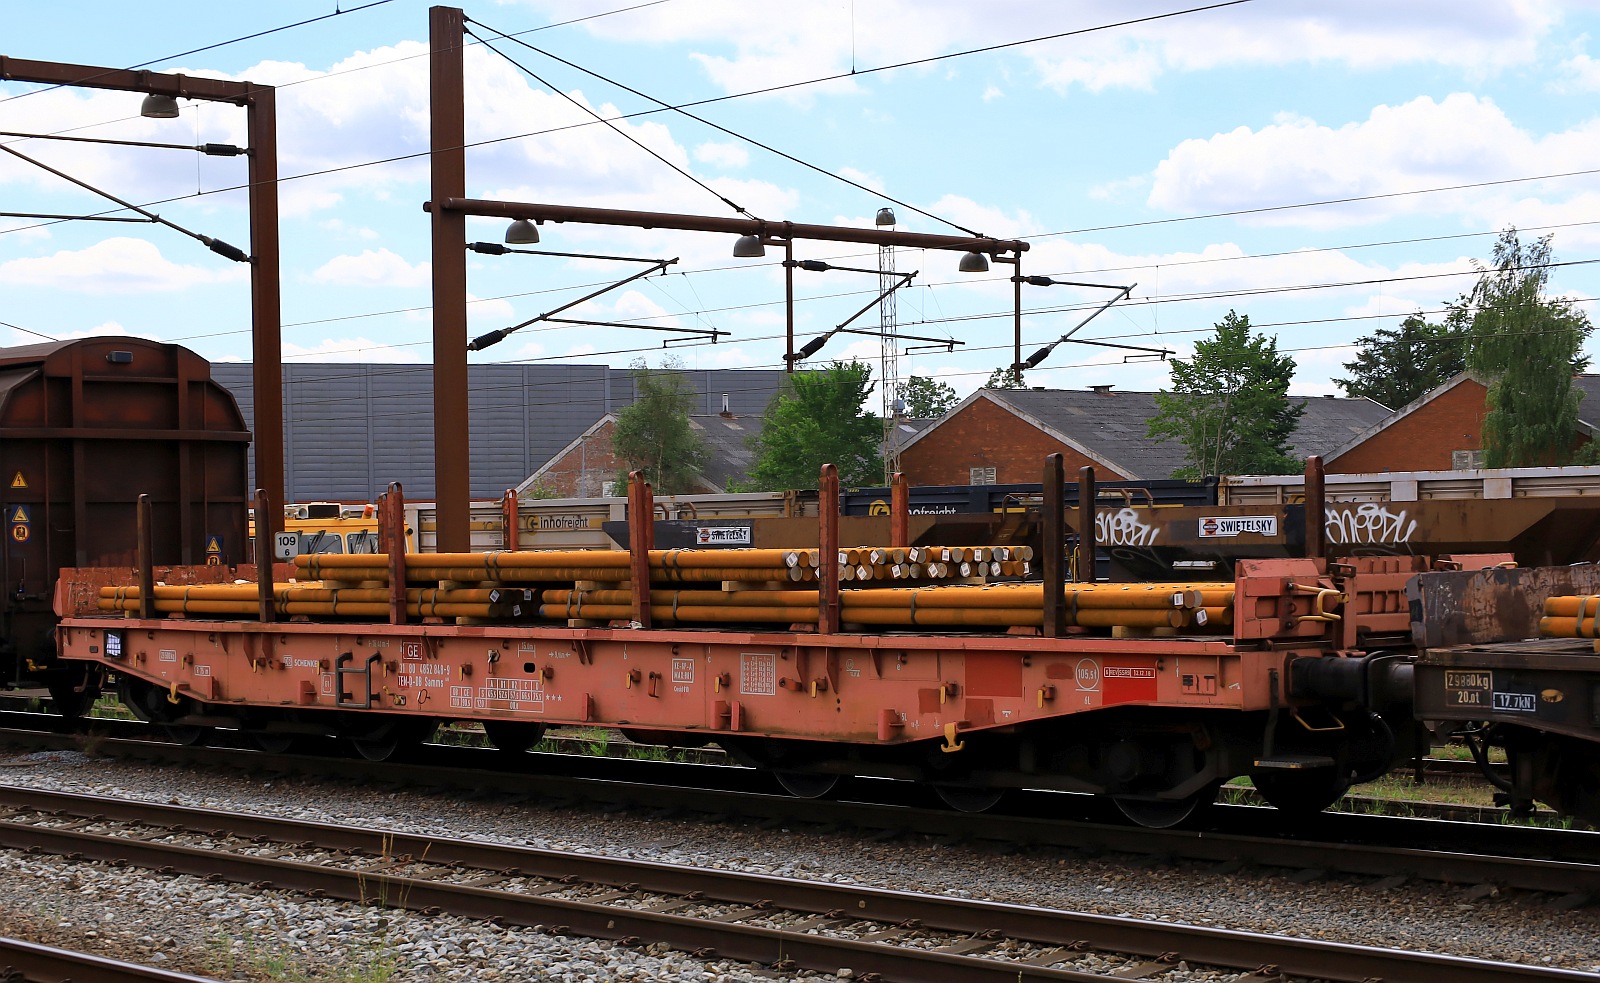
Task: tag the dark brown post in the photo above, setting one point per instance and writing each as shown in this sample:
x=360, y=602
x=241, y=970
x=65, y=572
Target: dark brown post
x=1016, y=316
x=899, y=511
x=267, y=609
x=1316, y=508
x=1085, y=573
x=146, y=548
x=641, y=537
x=1052, y=544
x=788, y=304
x=828, y=570
x=508, y=518
x=452, y=459
x=392, y=531
x=266, y=309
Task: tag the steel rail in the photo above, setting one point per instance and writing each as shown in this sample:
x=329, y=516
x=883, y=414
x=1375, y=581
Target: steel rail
x=47, y=964
x=982, y=920
x=1504, y=856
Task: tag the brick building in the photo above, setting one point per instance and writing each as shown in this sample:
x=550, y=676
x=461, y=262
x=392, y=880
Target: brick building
x=1443, y=430
x=587, y=467
x=1001, y=436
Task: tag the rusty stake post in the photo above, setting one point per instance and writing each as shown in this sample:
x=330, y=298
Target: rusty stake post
x=641, y=536
x=828, y=571
x=1053, y=542
x=146, y=548
x=899, y=511
x=392, y=533
x=1085, y=572
x=268, y=611
x=508, y=519
x=1316, y=508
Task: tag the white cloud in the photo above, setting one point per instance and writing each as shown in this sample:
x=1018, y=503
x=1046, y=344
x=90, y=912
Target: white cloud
x=357, y=349
x=113, y=266
x=725, y=155
x=373, y=268
x=1462, y=139
x=865, y=178
x=744, y=46
x=104, y=329
x=1580, y=74
x=494, y=309
x=991, y=93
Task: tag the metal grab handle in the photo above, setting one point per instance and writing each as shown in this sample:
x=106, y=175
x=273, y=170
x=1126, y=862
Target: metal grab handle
x=1320, y=596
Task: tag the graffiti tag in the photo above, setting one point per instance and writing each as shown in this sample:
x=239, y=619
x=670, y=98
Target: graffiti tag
x=1369, y=523
x=1123, y=528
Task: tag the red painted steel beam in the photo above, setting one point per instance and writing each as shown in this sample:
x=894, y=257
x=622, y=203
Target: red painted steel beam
x=1085, y=573
x=143, y=522
x=641, y=537
x=1052, y=545
x=446, y=205
x=508, y=518
x=267, y=609
x=392, y=533
x=452, y=459
x=899, y=511
x=828, y=571
x=1316, y=498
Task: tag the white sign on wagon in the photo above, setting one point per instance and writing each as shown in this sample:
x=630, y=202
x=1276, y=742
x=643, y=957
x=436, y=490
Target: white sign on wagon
x=1220, y=527
x=722, y=535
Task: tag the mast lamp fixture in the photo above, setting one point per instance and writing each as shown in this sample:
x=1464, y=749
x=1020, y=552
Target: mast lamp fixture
x=522, y=233
x=749, y=247
x=157, y=106
x=973, y=263
x=885, y=217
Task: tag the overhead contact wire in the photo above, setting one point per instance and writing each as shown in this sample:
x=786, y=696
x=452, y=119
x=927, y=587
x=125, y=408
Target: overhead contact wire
x=616, y=129
x=738, y=136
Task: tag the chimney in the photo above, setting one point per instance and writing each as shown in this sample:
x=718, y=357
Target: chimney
x=727, y=411
x=1104, y=390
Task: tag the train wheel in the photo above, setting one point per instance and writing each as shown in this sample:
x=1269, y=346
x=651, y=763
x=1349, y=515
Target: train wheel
x=1164, y=813
x=69, y=701
x=188, y=736
x=806, y=785
x=394, y=740
x=513, y=736
x=968, y=798
x=1302, y=793
x=273, y=743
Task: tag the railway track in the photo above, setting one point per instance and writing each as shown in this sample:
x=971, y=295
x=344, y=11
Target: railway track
x=1564, y=863
x=28, y=962
x=779, y=922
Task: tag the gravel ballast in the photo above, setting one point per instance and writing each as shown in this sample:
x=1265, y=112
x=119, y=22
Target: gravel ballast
x=233, y=932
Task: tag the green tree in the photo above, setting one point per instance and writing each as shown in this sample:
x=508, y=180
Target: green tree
x=653, y=435
x=1229, y=405
x=1394, y=367
x=1005, y=378
x=818, y=419
x=926, y=398
x=1527, y=347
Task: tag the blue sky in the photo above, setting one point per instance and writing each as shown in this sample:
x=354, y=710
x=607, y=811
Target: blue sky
x=1266, y=103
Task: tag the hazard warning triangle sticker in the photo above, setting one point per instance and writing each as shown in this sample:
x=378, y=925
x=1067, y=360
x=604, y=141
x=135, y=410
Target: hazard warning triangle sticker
x=18, y=481
x=19, y=513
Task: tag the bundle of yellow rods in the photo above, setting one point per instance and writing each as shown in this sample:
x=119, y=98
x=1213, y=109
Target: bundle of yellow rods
x=862, y=563
x=750, y=586
x=1571, y=617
